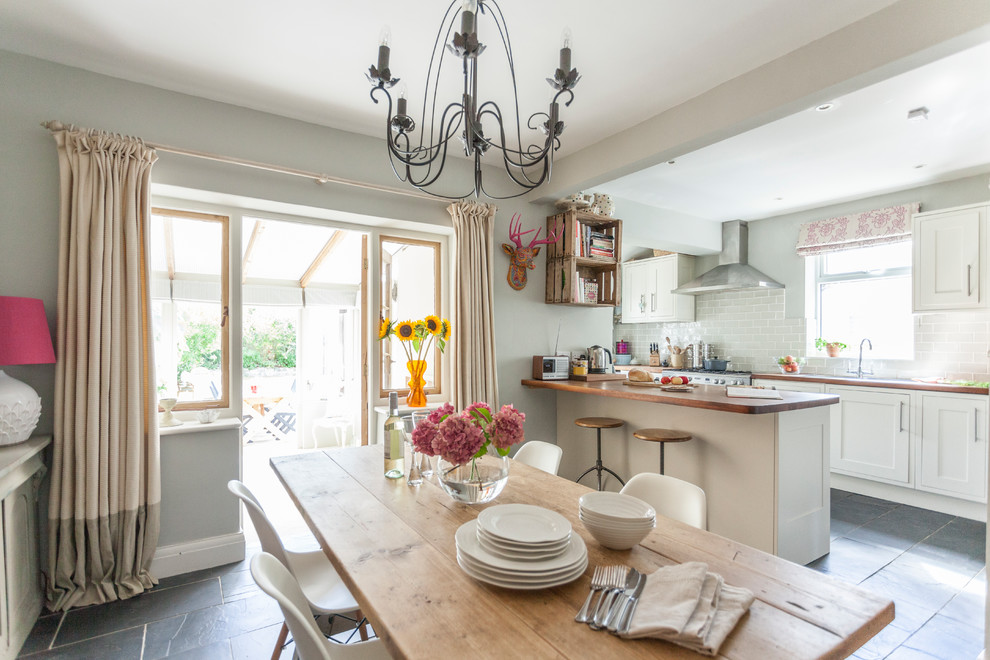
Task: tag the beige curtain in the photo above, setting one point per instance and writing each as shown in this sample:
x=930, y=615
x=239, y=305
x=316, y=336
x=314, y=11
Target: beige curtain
x=103, y=514
x=473, y=348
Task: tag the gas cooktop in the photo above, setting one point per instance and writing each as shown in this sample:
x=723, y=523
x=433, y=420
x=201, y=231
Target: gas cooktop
x=709, y=371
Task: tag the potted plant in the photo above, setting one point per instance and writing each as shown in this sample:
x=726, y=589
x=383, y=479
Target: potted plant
x=832, y=348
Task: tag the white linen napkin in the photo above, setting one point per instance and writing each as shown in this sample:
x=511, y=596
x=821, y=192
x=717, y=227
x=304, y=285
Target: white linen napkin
x=687, y=605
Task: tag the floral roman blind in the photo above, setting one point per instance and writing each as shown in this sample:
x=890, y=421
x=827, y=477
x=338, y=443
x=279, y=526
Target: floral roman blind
x=848, y=232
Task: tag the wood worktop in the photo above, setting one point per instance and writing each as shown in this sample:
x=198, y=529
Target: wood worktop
x=711, y=397
x=892, y=383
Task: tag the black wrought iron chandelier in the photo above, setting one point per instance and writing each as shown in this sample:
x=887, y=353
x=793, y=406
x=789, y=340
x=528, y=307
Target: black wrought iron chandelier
x=421, y=161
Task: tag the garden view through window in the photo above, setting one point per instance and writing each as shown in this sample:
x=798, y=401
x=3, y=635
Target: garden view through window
x=866, y=293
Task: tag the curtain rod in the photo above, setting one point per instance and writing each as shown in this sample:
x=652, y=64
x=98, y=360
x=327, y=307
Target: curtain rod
x=315, y=176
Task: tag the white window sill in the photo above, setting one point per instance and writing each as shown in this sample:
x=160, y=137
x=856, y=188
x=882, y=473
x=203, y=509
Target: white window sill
x=198, y=427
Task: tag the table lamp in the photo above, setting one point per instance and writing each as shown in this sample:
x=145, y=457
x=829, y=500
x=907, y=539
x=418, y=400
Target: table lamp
x=24, y=339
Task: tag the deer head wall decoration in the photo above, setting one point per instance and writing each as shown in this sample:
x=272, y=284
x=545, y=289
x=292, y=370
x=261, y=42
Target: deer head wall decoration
x=521, y=258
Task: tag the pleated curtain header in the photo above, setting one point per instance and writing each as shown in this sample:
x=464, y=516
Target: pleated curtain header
x=849, y=232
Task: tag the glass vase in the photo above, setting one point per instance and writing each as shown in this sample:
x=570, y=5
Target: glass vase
x=416, y=397
x=477, y=481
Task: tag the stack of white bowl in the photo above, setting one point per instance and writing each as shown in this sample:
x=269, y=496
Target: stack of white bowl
x=617, y=521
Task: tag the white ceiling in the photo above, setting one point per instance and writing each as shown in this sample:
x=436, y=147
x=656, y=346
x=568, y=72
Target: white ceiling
x=306, y=59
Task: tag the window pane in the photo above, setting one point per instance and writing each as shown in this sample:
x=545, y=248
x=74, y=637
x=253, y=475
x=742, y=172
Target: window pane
x=188, y=302
x=864, y=260
x=878, y=309
x=409, y=292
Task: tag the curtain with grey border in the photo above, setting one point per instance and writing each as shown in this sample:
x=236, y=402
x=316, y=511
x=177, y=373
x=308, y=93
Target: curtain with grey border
x=103, y=514
x=473, y=349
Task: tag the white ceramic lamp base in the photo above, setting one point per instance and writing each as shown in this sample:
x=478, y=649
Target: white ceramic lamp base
x=20, y=408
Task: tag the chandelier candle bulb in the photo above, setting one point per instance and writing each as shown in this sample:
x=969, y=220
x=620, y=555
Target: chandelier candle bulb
x=383, y=51
x=467, y=19
x=401, y=104
x=565, y=52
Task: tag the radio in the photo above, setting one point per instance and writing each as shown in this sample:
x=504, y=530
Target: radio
x=550, y=367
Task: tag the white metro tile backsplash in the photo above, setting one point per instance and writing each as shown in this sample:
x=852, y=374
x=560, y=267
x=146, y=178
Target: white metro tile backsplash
x=749, y=327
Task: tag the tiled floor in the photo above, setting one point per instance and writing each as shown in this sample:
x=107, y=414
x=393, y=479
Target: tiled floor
x=930, y=564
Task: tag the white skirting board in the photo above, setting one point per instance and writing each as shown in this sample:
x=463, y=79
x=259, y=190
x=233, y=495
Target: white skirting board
x=196, y=555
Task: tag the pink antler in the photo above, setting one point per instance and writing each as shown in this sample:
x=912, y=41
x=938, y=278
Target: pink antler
x=515, y=233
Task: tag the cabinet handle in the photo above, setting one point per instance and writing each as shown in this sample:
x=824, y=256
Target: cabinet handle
x=653, y=302
x=900, y=417
x=976, y=425
x=969, y=279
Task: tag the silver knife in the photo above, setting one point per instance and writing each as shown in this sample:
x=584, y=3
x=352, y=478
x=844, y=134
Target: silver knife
x=624, y=620
x=632, y=581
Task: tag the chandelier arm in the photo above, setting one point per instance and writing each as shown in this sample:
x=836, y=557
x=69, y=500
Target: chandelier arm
x=441, y=151
x=449, y=17
x=564, y=91
x=534, y=153
x=503, y=31
x=410, y=156
x=521, y=168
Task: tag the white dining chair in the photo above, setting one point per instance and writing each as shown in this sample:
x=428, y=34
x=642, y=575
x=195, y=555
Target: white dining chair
x=275, y=580
x=671, y=497
x=325, y=592
x=539, y=454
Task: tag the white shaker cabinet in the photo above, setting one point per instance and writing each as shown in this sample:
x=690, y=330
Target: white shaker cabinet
x=954, y=445
x=790, y=386
x=646, y=286
x=871, y=434
x=949, y=260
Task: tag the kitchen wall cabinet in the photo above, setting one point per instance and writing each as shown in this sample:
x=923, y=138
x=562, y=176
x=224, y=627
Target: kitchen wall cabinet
x=583, y=266
x=954, y=445
x=949, y=259
x=646, y=289
x=871, y=434
x=21, y=472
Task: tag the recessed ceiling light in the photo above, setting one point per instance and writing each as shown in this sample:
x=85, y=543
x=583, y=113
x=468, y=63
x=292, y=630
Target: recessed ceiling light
x=918, y=114
x=671, y=162
x=825, y=107
x=919, y=166
x=778, y=199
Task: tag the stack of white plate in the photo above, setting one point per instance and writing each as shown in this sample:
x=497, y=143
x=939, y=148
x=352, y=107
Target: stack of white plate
x=617, y=521
x=520, y=546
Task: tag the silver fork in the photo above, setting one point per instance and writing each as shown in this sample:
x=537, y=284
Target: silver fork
x=598, y=582
x=617, y=580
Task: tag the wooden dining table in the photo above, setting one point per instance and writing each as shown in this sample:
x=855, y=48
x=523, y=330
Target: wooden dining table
x=394, y=547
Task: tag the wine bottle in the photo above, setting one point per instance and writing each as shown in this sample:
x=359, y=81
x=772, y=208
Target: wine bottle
x=394, y=448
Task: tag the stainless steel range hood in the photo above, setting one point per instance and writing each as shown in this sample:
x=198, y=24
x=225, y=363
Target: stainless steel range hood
x=732, y=272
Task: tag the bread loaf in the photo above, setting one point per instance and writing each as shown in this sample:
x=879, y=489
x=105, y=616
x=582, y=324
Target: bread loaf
x=640, y=376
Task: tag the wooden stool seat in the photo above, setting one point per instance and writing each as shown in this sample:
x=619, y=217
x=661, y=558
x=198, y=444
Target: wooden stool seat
x=663, y=436
x=599, y=423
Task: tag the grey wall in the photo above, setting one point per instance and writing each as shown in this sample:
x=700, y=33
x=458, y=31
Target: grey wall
x=35, y=90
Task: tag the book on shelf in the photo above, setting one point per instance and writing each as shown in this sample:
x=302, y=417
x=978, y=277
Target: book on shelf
x=585, y=290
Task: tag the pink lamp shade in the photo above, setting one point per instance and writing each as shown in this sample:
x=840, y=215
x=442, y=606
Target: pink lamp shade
x=24, y=335
x=24, y=339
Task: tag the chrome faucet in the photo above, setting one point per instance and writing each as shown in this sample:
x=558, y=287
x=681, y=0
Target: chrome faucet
x=859, y=368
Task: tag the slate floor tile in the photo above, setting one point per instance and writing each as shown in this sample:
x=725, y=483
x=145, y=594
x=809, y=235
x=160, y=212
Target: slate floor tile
x=121, y=645
x=856, y=512
x=839, y=528
x=900, y=528
x=910, y=617
x=961, y=542
x=969, y=605
x=205, y=574
x=42, y=634
x=91, y=621
x=238, y=584
x=916, y=580
x=258, y=644
x=882, y=644
x=872, y=501
x=905, y=653
x=207, y=626
x=854, y=561
x=947, y=638
x=216, y=651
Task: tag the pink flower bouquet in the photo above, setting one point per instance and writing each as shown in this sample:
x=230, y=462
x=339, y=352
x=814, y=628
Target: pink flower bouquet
x=460, y=437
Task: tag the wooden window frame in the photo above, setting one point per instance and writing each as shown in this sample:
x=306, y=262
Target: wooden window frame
x=438, y=301
x=225, y=358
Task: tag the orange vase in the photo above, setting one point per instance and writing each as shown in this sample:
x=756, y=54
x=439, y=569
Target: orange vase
x=417, y=397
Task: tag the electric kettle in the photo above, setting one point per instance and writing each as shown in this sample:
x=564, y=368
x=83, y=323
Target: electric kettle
x=599, y=360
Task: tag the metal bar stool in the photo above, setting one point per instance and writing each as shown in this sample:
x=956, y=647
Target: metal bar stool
x=663, y=436
x=599, y=423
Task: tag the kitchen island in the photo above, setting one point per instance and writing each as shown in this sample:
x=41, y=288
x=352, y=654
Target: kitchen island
x=763, y=463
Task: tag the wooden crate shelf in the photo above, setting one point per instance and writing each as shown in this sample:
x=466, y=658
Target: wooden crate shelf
x=570, y=263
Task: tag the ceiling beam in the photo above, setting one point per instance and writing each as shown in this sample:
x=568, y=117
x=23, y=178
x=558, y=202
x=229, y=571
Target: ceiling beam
x=259, y=227
x=331, y=244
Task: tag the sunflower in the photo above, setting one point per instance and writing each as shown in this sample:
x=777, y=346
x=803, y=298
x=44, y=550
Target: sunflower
x=405, y=331
x=445, y=330
x=432, y=324
x=386, y=328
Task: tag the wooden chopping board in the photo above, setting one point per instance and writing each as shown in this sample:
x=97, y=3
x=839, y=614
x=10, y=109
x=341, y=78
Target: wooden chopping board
x=593, y=377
